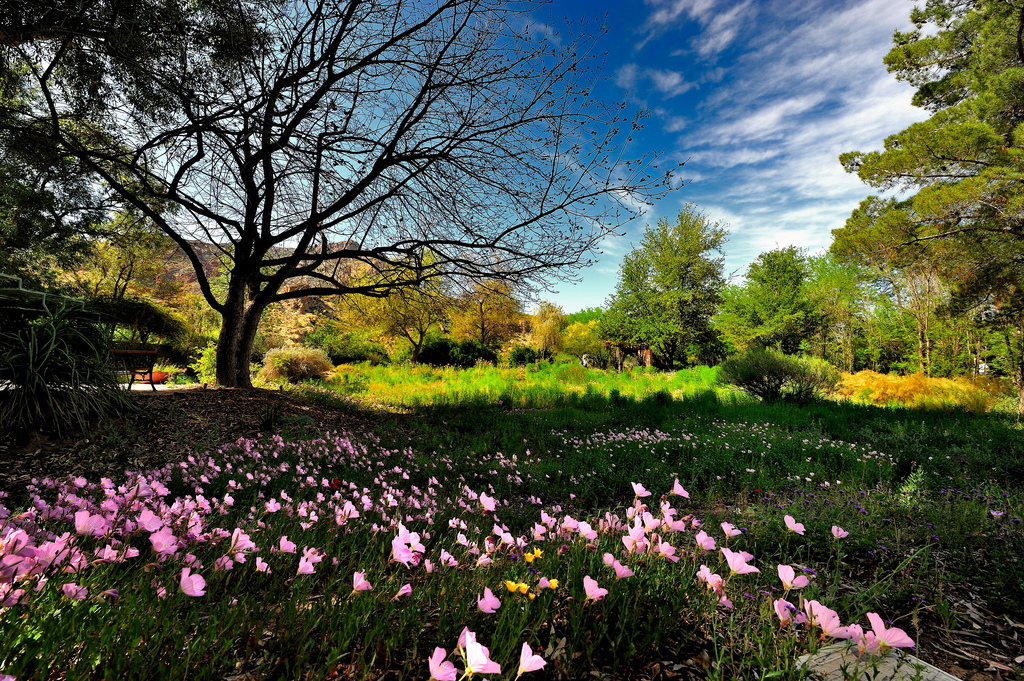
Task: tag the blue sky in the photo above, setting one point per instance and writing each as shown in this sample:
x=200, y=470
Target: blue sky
x=759, y=98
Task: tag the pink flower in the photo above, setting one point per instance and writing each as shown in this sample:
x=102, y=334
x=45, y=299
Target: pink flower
x=240, y=544
x=839, y=533
x=608, y=559
x=359, y=583
x=404, y=591
x=478, y=659
x=528, y=662
x=441, y=670
x=888, y=638
x=86, y=523
x=635, y=540
x=164, y=542
x=72, y=590
x=639, y=490
x=587, y=532
x=790, y=580
x=788, y=612
x=149, y=521
x=192, y=585
x=704, y=541
x=737, y=564
x=621, y=571
x=730, y=530
x=261, y=566
x=594, y=592
x=793, y=525
x=489, y=603
x=667, y=551
x=285, y=545
x=400, y=552
x=487, y=502
x=826, y=619
x=223, y=563
x=678, y=490
x=305, y=566
x=10, y=596
x=272, y=506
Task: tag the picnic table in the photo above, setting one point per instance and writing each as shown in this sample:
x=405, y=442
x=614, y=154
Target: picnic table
x=136, y=364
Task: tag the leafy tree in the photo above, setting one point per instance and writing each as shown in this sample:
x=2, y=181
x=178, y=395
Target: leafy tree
x=412, y=313
x=130, y=258
x=584, y=338
x=772, y=310
x=49, y=204
x=964, y=163
x=489, y=314
x=670, y=286
x=302, y=139
x=838, y=293
x=586, y=315
x=546, y=329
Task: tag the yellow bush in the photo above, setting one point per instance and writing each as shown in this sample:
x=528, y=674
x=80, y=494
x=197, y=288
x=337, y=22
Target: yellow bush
x=295, y=364
x=922, y=392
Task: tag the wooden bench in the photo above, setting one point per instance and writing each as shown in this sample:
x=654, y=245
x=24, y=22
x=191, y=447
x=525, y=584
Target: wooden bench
x=136, y=363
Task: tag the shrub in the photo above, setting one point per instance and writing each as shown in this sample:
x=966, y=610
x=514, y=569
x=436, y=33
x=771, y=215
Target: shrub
x=56, y=372
x=295, y=364
x=446, y=352
x=439, y=352
x=521, y=355
x=923, y=392
x=344, y=347
x=773, y=376
x=205, y=366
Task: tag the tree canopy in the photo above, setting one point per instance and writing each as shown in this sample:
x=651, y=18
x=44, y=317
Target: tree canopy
x=669, y=286
x=772, y=309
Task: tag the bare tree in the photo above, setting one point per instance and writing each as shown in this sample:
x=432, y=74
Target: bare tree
x=449, y=138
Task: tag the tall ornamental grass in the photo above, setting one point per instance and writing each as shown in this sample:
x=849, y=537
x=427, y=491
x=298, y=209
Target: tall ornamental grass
x=56, y=373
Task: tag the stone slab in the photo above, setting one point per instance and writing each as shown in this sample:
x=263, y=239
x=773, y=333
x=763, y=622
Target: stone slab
x=828, y=665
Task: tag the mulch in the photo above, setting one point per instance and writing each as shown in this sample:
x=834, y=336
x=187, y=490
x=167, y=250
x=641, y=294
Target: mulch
x=170, y=425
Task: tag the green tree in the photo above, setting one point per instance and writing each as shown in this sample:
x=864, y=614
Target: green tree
x=584, y=338
x=546, y=328
x=838, y=293
x=586, y=315
x=967, y=61
x=411, y=313
x=772, y=309
x=670, y=286
x=489, y=314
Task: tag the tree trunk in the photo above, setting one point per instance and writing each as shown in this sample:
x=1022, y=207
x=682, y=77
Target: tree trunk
x=239, y=323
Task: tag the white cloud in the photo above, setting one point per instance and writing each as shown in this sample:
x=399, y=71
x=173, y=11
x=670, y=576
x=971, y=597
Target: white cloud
x=669, y=83
x=625, y=77
x=720, y=26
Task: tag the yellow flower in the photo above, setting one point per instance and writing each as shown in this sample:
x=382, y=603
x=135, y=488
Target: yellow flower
x=537, y=553
x=532, y=595
x=511, y=586
x=523, y=588
x=553, y=583
x=528, y=557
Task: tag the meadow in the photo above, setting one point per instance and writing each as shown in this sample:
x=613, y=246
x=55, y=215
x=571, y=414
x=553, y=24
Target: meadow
x=545, y=521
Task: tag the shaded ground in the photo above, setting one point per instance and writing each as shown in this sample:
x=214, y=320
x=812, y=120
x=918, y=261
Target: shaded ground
x=172, y=424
